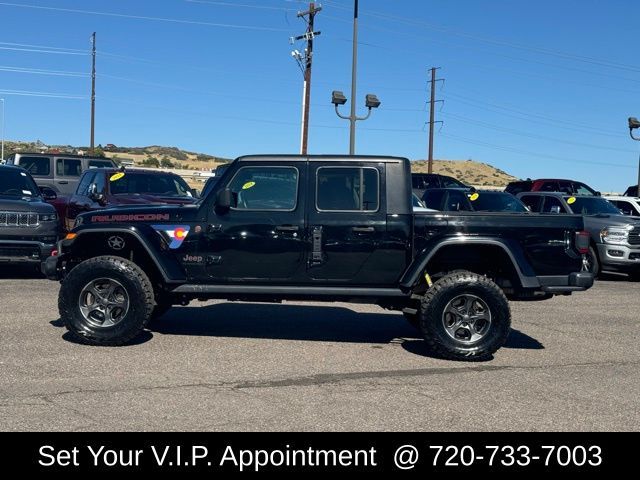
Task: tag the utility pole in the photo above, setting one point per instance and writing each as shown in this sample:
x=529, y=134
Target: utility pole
x=306, y=61
x=354, y=68
x=93, y=91
x=3, y=120
x=432, y=114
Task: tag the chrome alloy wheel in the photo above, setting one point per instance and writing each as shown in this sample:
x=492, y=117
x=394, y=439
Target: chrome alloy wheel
x=104, y=302
x=466, y=318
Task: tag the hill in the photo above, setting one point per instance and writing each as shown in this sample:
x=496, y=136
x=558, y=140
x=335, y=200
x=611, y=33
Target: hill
x=470, y=172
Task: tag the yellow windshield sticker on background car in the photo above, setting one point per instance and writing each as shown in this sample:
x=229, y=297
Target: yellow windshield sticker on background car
x=116, y=176
x=248, y=185
x=571, y=200
x=474, y=196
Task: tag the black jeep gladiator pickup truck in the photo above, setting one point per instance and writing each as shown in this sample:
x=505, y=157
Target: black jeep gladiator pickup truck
x=322, y=228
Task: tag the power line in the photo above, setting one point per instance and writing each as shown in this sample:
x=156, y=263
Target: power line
x=35, y=50
x=40, y=71
x=240, y=5
x=542, y=51
x=143, y=17
x=48, y=47
x=24, y=93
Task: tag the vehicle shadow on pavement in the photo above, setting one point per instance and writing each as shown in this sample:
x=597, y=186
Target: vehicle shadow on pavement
x=286, y=322
x=67, y=336
x=19, y=272
x=517, y=339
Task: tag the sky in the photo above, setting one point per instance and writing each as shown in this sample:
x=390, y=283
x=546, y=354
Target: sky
x=538, y=89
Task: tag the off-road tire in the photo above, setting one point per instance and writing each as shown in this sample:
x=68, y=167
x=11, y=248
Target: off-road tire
x=436, y=299
x=133, y=280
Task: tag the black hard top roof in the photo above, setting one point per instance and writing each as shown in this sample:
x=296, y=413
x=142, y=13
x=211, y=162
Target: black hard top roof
x=304, y=158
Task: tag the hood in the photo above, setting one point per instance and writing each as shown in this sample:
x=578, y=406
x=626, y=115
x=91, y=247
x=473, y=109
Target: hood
x=145, y=199
x=24, y=204
x=601, y=221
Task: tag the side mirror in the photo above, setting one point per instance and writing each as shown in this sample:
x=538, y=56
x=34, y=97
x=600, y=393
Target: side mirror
x=555, y=209
x=598, y=194
x=196, y=193
x=94, y=195
x=225, y=199
x=48, y=193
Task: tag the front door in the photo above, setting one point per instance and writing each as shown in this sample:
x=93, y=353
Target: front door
x=346, y=223
x=261, y=239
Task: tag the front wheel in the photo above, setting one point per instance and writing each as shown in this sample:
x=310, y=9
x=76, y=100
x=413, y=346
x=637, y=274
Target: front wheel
x=106, y=301
x=465, y=316
x=591, y=263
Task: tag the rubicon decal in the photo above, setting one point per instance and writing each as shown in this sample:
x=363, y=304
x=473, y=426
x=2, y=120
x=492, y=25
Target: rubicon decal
x=175, y=234
x=141, y=217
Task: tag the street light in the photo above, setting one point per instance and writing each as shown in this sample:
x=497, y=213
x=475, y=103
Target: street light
x=338, y=98
x=634, y=124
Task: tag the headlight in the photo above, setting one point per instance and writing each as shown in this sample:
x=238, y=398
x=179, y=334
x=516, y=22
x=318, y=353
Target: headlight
x=615, y=235
x=49, y=218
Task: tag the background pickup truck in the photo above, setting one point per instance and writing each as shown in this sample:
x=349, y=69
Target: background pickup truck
x=324, y=228
x=101, y=188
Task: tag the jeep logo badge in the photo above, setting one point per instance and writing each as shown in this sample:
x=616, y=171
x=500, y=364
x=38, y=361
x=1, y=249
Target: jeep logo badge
x=116, y=243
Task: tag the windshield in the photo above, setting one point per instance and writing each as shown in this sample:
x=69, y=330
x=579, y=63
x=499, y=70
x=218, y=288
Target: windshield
x=496, y=202
x=592, y=206
x=17, y=183
x=150, y=184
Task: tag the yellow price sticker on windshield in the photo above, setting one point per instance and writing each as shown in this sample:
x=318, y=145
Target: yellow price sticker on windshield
x=248, y=185
x=116, y=176
x=571, y=200
x=474, y=196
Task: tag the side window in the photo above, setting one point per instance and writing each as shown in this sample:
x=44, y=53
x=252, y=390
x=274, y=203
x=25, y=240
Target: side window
x=83, y=186
x=625, y=207
x=433, y=199
x=100, y=164
x=553, y=205
x=549, y=187
x=533, y=202
x=265, y=188
x=67, y=167
x=36, y=166
x=347, y=189
x=582, y=189
x=101, y=182
x=450, y=182
x=457, y=201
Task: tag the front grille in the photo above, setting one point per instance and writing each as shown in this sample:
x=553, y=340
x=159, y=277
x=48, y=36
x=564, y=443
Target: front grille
x=19, y=219
x=634, y=236
x=19, y=252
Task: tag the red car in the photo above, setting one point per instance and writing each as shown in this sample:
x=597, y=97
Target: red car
x=570, y=187
x=101, y=188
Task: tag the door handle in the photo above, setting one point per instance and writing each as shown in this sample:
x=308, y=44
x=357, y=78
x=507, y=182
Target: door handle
x=63, y=182
x=287, y=228
x=363, y=229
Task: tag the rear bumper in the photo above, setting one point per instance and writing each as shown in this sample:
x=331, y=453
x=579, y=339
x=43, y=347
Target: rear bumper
x=561, y=284
x=24, y=251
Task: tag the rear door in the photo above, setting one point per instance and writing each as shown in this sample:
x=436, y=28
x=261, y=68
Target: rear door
x=347, y=223
x=67, y=174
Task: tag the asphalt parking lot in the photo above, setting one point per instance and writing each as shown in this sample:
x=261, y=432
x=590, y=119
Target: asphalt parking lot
x=571, y=363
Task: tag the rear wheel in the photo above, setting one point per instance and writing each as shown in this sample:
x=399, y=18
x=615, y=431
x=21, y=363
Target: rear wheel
x=465, y=316
x=106, y=301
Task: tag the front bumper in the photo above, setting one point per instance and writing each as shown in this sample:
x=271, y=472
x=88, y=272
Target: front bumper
x=563, y=284
x=622, y=258
x=14, y=251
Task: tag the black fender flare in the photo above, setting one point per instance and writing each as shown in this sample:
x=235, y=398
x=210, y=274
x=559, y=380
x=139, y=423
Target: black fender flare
x=167, y=264
x=514, y=251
